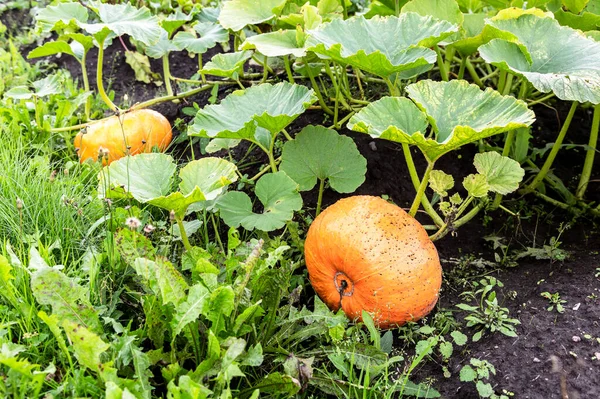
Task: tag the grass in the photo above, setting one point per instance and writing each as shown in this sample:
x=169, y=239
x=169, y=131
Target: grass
x=44, y=202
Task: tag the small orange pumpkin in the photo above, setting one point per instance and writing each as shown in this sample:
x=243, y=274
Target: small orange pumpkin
x=131, y=133
x=363, y=253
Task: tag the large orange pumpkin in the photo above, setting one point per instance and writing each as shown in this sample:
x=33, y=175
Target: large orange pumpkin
x=363, y=253
x=131, y=133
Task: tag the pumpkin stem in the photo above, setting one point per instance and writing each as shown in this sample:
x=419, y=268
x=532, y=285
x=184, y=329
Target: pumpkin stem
x=343, y=285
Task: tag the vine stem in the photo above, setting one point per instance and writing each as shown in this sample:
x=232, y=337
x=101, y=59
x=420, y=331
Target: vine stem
x=473, y=73
x=561, y=135
x=288, y=68
x=167, y=74
x=316, y=89
x=441, y=65
x=320, y=198
x=421, y=191
x=510, y=138
x=145, y=104
x=86, y=87
x=589, y=156
x=184, y=237
x=200, y=66
x=467, y=217
x=99, y=82
x=445, y=226
x=417, y=183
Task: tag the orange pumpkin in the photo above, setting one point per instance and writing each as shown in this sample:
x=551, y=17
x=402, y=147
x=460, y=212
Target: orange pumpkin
x=363, y=253
x=131, y=133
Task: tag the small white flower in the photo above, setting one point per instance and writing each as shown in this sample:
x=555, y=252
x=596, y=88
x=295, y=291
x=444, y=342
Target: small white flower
x=149, y=228
x=133, y=223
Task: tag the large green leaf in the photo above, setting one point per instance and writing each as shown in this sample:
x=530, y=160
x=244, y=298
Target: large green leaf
x=209, y=34
x=229, y=65
x=478, y=33
x=267, y=106
x=321, y=153
x=276, y=44
x=52, y=48
x=61, y=16
x=122, y=19
x=502, y=174
x=459, y=113
x=446, y=10
x=380, y=46
x=236, y=14
x=211, y=175
x=279, y=196
x=552, y=57
x=143, y=177
x=148, y=178
x=162, y=47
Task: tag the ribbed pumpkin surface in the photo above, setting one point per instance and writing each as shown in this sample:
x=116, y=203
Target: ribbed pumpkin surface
x=139, y=130
x=363, y=253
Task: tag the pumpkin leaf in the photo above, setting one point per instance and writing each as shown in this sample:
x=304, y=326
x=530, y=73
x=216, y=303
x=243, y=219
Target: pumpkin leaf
x=161, y=47
x=125, y=19
x=228, y=65
x=175, y=21
x=211, y=175
x=240, y=114
x=401, y=43
x=148, y=178
x=61, y=16
x=476, y=185
x=236, y=14
x=52, y=48
x=279, y=196
x=209, y=34
x=459, y=113
x=142, y=177
x=444, y=10
x=276, y=44
x=441, y=182
x=502, y=174
x=318, y=153
x=552, y=57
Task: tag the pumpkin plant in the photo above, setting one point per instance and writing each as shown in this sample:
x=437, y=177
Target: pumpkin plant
x=363, y=253
x=567, y=68
x=149, y=179
x=257, y=114
x=458, y=113
x=128, y=134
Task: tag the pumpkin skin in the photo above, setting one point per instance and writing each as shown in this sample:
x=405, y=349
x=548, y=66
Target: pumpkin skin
x=363, y=253
x=141, y=130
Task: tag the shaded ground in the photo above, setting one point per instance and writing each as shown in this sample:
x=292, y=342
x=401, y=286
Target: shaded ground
x=544, y=361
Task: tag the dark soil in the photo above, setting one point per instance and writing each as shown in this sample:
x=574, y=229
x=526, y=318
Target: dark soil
x=544, y=361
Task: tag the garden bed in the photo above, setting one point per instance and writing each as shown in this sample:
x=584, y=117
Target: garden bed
x=533, y=247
